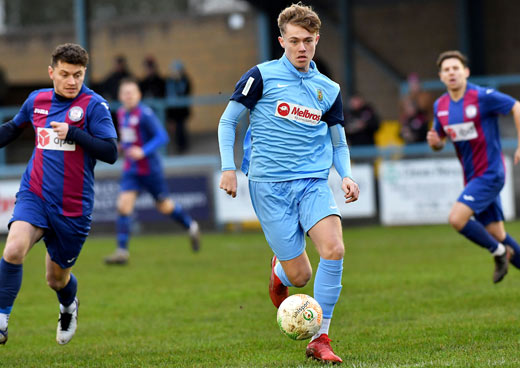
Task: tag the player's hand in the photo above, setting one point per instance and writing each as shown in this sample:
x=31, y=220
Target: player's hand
x=517, y=155
x=433, y=139
x=351, y=190
x=228, y=182
x=60, y=128
x=135, y=153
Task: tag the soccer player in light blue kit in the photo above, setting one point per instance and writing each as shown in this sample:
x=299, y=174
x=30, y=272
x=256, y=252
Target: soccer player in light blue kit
x=296, y=134
x=468, y=115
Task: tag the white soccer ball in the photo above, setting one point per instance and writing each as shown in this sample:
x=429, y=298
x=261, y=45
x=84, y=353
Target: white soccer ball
x=299, y=317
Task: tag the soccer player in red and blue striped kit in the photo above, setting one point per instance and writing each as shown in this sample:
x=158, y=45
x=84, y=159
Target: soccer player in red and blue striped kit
x=141, y=135
x=73, y=128
x=468, y=115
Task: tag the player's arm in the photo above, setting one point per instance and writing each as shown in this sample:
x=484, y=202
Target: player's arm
x=9, y=132
x=226, y=142
x=340, y=152
x=159, y=134
x=434, y=139
x=516, y=117
x=99, y=148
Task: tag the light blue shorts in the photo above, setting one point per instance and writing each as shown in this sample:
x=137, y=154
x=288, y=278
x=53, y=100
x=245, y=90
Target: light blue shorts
x=287, y=210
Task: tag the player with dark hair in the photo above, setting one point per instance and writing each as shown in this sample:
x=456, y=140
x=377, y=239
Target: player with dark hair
x=468, y=115
x=141, y=136
x=296, y=134
x=73, y=129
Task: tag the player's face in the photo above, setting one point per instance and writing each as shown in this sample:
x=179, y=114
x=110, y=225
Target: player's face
x=299, y=45
x=67, y=78
x=453, y=74
x=129, y=95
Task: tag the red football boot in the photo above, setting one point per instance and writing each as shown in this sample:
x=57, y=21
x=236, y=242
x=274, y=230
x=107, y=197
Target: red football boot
x=277, y=291
x=320, y=349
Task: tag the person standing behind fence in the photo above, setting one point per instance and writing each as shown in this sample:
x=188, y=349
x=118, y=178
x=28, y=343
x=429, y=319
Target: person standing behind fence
x=178, y=84
x=141, y=135
x=468, y=115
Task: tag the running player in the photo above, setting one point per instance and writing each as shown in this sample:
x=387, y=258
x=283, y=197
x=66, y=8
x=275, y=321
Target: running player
x=468, y=115
x=296, y=134
x=73, y=129
x=141, y=135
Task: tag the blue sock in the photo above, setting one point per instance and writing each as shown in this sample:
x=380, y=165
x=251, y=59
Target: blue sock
x=478, y=234
x=68, y=293
x=179, y=215
x=10, y=283
x=278, y=270
x=327, y=284
x=123, y=231
x=513, y=244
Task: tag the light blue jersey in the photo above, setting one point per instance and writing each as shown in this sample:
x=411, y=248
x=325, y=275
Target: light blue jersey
x=290, y=116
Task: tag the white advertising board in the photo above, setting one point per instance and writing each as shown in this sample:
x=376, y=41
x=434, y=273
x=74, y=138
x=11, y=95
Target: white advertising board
x=240, y=209
x=8, y=190
x=423, y=191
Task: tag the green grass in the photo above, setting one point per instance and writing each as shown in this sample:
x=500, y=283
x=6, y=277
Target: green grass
x=412, y=297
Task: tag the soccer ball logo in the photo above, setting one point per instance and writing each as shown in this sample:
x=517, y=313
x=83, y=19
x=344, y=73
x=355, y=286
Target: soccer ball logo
x=299, y=317
x=44, y=138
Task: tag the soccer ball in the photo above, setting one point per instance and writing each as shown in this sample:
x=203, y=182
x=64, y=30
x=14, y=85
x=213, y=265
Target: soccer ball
x=299, y=317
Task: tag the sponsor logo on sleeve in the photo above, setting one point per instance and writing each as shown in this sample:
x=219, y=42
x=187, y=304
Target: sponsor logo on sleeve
x=48, y=140
x=298, y=113
x=461, y=132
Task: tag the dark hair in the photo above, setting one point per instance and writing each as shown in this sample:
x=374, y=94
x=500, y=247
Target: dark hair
x=70, y=53
x=299, y=15
x=452, y=54
x=128, y=80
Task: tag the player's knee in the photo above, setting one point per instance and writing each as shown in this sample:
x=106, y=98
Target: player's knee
x=334, y=250
x=55, y=283
x=456, y=222
x=14, y=254
x=302, y=278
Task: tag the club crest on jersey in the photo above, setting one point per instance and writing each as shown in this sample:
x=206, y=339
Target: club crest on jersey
x=319, y=94
x=75, y=113
x=48, y=140
x=471, y=111
x=302, y=114
x=133, y=120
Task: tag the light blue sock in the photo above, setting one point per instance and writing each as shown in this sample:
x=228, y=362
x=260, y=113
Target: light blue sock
x=278, y=270
x=327, y=284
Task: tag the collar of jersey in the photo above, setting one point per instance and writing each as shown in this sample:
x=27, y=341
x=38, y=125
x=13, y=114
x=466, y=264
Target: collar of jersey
x=312, y=68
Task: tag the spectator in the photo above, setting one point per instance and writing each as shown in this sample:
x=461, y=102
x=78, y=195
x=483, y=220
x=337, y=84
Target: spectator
x=111, y=83
x=361, y=121
x=153, y=85
x=178, y=85
x=415, y=112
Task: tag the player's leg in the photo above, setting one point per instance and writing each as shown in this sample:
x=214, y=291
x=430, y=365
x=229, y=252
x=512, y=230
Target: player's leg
x=22, y=236
x=156, y=185
x=320, y=218
x=125, y=208
x=64, y=241
x=66, y=286
x=276, y=207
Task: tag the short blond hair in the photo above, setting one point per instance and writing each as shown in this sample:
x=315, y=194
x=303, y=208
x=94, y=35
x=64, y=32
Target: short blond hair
x=299, y=15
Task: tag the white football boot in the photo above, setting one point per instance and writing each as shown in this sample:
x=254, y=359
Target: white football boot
x=67, y=323
x=4, y=318
x=194, y=232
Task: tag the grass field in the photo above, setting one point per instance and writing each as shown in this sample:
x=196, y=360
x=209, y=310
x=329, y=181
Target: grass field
x=412, y=297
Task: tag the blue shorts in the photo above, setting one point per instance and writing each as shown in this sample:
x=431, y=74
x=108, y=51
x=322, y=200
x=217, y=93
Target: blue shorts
x=482, y=195
x=63, y=236
x=155, y=184
x=287, y=210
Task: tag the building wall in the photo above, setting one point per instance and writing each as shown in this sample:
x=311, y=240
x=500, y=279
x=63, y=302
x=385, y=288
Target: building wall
x=408, y=34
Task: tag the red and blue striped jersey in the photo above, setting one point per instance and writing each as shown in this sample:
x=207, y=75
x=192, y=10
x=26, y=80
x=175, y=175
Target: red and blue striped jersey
x=472, y=125
x=59, y=171
x=141, y=127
